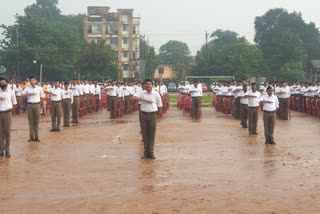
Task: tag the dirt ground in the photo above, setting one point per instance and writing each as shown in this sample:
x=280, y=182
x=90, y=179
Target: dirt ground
x=211, y=166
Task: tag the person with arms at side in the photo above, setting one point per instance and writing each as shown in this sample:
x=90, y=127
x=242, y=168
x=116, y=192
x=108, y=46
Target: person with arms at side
x=254, y=98
x=66, y=104
x=7, y=102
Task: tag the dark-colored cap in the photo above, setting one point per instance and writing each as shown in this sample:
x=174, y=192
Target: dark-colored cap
x=269, y=87
x=4, y=78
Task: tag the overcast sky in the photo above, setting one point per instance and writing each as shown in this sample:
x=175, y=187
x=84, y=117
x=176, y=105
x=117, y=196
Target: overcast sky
x=184, y=20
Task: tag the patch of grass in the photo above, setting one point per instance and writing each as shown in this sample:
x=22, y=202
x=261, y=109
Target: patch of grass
x=206, y=99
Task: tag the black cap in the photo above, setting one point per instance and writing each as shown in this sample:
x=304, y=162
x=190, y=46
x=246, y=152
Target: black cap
x=269, y=87
x=4, y=78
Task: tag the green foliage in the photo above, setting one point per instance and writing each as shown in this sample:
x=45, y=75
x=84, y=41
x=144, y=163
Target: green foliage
x=228, y=54
x=148, y=55
x=175, y=52
x=52, y=40
x=285, y=38
x=97, y=62
x=292, y=71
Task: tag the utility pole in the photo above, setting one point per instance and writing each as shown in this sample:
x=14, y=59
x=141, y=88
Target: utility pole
x=207, y=35
x=18, y=50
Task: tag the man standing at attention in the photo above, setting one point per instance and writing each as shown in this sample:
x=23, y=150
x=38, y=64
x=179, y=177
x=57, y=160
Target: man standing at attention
x=75, y=88
x=270, y=105
x=66, y=104
x=7, y=101
x=196, y=94
x=150, y=107
x=56, y=108
x=34, y=95
x=254, y=98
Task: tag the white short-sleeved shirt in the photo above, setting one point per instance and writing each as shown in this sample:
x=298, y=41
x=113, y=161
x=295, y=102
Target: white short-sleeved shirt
x=58, y=92
x=113, y=92
x=270, y=106
x=195, y=91
x=154, y=97
x=75, y=90
x=287, y=92
x=97, y=91
x=242, y=99
x=34, y=90
x=9, y=101
x=68, y=94
x=19, y=91
x=254, y=102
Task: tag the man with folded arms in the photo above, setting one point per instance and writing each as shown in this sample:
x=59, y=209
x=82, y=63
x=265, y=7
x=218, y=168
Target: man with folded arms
x=254, y=98
x=196, y=94
x=7, y=101
x=270, y=106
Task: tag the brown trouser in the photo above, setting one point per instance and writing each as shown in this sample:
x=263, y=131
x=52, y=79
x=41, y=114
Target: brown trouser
x=75, y=110
x=126, y=105
x=18, y=104
x=196, y=102
x=56, y=113
x=5, y=130
x=108, y=102
x=113, y=107
x=33, y=119
x=253, y=119
x=238, y=107
x=269, y=120
x=149, y=126
x=244, y=115
x=283, y=105
x=66, y=105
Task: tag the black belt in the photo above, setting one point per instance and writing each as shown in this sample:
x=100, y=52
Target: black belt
x=33, y=103
x=149, y=113
x=269, y=111
x=56, y=101
x=5, y=112
x=75, y=96
x=67, y=99
x=254, y=107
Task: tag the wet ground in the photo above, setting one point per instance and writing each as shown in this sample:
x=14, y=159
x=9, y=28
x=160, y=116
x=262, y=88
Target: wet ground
x=211, y=166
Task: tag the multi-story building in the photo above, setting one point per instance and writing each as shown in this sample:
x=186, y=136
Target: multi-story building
x=120, y=30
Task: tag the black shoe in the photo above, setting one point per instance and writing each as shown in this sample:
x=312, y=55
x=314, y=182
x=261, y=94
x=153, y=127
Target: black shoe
x=37, y=140
x=255, y=133
x=8, y=155
x=66, y=125
x=244, y=127
x=58, y=130
x=76, y=121
x=53, y=130
x=149, y=156
x=1, y=154
x=31, y=140
x=267, y=142
x=272, y=143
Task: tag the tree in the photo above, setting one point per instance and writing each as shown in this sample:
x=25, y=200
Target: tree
x=51, y=42
x=285, y=38
x=46, y=9
x=221, y=38
x=149, y=57
x=97, y=61
x=175, y=52
x=292, y=71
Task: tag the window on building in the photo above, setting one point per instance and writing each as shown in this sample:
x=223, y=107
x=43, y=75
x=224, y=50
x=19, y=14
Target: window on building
x=125, y=41
x=125, y=27
x=113, y=41
x=125, y=54
x=136, y=29
x=95, y=29
x=125, y=67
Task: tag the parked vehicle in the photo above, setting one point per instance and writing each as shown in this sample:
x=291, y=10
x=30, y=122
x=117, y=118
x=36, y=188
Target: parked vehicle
x=204, y=87
x=172, y=87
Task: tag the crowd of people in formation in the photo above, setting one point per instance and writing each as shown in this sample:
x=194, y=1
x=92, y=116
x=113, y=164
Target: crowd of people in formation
x=69, y=100
x=244, y=100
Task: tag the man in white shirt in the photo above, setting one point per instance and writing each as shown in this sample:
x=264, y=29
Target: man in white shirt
x=254, y=98
x=270, y=106
x=76, y=92
x=66, y=104
x=126, y=94
x=34, y=95
x=18, y=93
x=236, y=92
x=112, y=93
x=7, y=101
x=97, y=93
x=56, y=96
x=243, y=107
x=151, y=105
x=284, y=98
x=195, y=91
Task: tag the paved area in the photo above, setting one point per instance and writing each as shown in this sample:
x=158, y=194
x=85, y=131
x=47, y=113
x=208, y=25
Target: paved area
x=211, y=166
